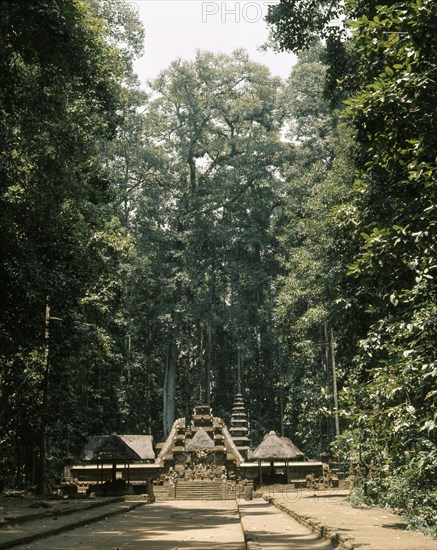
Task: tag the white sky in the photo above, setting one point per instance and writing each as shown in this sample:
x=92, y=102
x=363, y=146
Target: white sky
x=177, y=28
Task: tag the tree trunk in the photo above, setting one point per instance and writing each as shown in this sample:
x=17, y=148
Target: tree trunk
x=208, y=367
x=209, y=352
x=168, y=416
x=328, y=378
x=238, y=371
x=334, y=385
x=43, y=433
x=281, y=414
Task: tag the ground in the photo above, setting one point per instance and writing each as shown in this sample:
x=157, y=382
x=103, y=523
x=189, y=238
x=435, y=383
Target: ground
x=228, y=525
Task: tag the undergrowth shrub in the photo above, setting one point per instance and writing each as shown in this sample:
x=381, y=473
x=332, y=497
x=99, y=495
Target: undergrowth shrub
x=418, y=505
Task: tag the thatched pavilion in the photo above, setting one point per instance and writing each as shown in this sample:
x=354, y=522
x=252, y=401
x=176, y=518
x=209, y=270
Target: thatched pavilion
x=113, y=449
x=274, y=448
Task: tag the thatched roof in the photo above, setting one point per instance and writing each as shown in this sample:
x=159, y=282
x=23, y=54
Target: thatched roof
x=200, y=441
x=108, y=448
x=90, y=447
x=273, y=447
x=296, y=452
x=141, y=444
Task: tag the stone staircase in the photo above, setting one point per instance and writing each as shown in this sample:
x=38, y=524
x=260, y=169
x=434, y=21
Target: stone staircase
x=204, y=490
x=196, y=490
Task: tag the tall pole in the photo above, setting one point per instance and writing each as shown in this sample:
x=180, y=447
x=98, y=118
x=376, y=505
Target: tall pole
x=334, y=385
x=208, y=367
x=326, y=348
x=239, y=370
x=45, y=401
x=45, y=387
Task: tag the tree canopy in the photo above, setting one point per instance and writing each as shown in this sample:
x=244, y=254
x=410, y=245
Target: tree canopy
x=388, y=285
x=222, y=231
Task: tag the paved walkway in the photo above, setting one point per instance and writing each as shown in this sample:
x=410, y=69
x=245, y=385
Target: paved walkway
x=172, y=525
x=267, y=527
x=330, y=513
x=162, y=526
x=175, y=525
x=23, y=525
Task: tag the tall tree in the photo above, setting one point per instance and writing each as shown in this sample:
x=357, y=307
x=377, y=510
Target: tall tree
x=317, y=182
x=393, y=385
x=391, y=293
x=205, y=218
x=60, y=97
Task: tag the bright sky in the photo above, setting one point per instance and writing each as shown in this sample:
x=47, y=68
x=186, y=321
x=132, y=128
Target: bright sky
x=177, y=28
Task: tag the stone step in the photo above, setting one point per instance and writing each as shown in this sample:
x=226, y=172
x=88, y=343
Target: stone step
x=192, y=490
x=160, y=490
x=186, y=491
x=199, y=497
x=195, y=490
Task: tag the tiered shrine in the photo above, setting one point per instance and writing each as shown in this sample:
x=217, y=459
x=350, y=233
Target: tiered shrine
x=239, y=429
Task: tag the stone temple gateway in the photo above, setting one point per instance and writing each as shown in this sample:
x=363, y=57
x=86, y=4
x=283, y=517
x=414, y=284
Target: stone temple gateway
x=202, y=451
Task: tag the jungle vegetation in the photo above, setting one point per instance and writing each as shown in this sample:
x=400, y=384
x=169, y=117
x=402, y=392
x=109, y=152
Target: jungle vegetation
x=222, y=231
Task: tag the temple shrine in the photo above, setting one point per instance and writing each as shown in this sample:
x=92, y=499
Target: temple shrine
x=203, y=450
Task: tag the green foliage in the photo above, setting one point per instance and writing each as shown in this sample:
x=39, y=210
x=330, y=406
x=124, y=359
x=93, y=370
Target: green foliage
x=223, y=231
x=60, y=100
x=318, y=182
x=296, y=25
x=402, y=493
x=396, y=359
x=388, y=230
x=204, y=220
